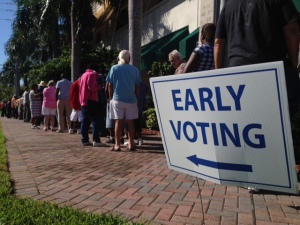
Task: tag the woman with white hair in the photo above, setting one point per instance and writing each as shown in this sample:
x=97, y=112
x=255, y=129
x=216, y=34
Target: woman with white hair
x=49, y=105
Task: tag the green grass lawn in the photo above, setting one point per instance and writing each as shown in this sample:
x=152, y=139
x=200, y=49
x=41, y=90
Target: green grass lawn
x=24, y=211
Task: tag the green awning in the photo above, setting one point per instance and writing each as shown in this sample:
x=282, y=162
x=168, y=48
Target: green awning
x=159, y=50
x=297, y=4
x=188, y=44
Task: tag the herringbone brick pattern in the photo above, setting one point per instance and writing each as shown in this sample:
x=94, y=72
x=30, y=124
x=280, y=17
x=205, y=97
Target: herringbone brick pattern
x=55, y=167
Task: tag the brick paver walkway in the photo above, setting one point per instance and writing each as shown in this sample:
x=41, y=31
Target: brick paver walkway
x=55, y=167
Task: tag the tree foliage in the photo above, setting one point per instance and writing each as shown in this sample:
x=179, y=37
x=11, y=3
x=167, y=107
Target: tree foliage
x=160, y=69
x=52, y=70
x=42, y=33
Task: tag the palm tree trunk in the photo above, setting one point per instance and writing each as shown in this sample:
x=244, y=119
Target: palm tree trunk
x=17, y=78
x=135, y=31
x=56, y=42
x=76, y=46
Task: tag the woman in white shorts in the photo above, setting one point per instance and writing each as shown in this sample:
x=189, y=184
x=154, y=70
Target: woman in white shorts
x=49, y=105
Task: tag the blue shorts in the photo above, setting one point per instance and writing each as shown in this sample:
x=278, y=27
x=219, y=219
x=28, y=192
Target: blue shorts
x=109, y=122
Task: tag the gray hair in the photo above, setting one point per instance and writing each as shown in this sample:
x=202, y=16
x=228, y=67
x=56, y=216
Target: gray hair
x=51, y=83
x=175, y=54
x=124, y=57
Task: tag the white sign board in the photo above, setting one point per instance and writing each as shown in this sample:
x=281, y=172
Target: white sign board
x=229, y=126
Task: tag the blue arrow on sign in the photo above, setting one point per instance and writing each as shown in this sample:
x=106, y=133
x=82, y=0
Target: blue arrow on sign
x=220, y=165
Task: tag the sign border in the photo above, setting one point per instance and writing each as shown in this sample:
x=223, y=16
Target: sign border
x=283, y=130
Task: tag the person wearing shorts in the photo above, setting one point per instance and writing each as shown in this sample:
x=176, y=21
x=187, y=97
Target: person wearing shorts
x=76, y=107
x=75, y=118
x=49, y=105
x=123, y=88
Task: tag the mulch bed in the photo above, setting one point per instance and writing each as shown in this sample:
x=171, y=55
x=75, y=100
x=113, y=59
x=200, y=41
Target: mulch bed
x=150, y=132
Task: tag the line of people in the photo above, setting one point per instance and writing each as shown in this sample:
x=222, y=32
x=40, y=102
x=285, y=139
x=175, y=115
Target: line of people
x=121, y=94
x=16, y=107
x=111, y=105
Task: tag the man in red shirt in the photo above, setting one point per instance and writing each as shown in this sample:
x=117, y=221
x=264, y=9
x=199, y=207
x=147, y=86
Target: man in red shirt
x=76, y=107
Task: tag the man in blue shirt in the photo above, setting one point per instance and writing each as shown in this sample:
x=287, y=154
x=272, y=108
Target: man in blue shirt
x=123, y=88
x=63, y=87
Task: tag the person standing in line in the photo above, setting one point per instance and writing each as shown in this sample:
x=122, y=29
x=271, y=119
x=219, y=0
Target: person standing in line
x=8, y=109
x=123, y=88
x=177, y=62
x=202, y=58
x=63, y=87
x=88, y=91
x=41, y=87
x=102, y=104
x=110, y=123
x=27, y=113
x=3, y=108
x=35, y=106
x=76, y=107
x=20, y=107
x=14, y=109
x=138, y=122
x=49, y=105
x=261, y=31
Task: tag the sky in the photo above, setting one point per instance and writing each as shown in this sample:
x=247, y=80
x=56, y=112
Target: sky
x=7, y=14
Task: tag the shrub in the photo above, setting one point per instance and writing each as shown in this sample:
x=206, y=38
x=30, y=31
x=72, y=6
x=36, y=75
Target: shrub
x=151, y=120
x=160, y=69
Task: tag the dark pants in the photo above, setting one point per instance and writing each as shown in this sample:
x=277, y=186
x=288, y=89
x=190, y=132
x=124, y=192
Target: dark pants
x=8, y=112
x=102, y=120
x=14, y=112
x=3, y=112
x=85, y=124
x=27, y=113
x=138, y=124
x=21, y=112
x=293, y=91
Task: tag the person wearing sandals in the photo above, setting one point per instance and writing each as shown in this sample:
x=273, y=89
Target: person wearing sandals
x=49, y=105
x=123, y=88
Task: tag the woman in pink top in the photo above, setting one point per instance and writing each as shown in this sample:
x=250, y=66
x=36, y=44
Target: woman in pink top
x=49, y=105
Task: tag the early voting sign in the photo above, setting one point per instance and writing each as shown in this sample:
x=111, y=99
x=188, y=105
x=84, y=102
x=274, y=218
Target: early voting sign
x=229, y=126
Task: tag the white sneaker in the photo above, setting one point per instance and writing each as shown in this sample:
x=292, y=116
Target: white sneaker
x=78, y=131
x=71, y=131
x=98, y=144
x=140, y=143
x=253, y=190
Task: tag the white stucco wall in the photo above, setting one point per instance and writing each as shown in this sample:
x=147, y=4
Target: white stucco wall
x=165, y=18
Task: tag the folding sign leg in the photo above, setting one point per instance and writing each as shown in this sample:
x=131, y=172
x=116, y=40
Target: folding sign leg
x=200, y=197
